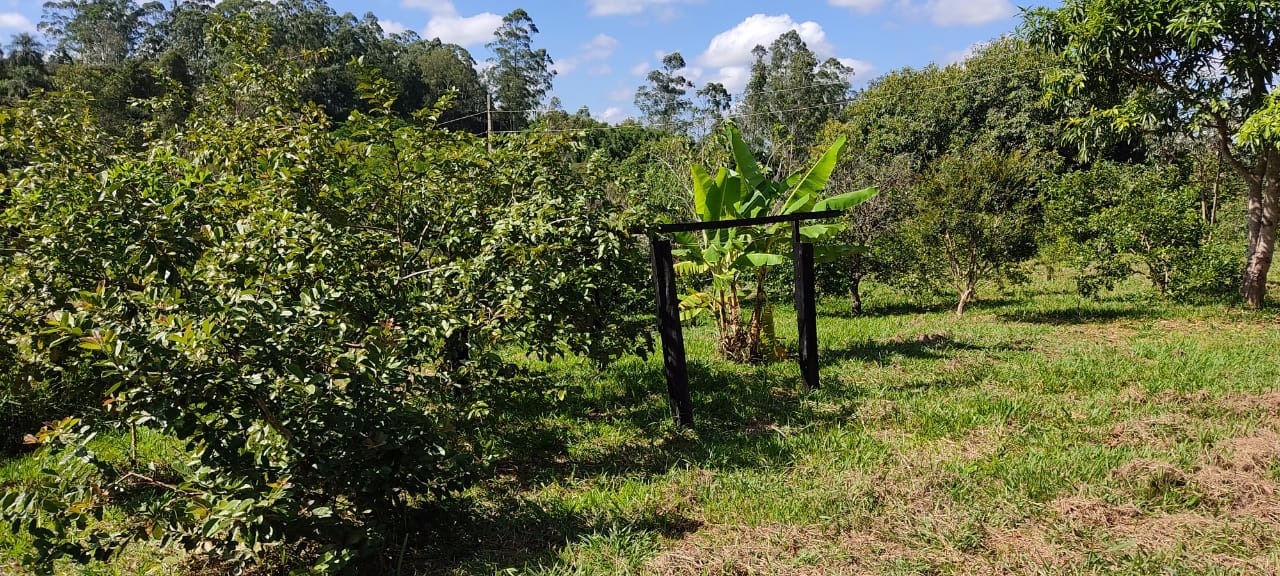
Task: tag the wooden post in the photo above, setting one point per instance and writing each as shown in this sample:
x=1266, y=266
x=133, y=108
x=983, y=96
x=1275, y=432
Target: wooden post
x=674, y=366
x=806, y=310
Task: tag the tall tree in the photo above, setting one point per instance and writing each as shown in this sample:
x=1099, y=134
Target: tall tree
x=24, y=68
x=520, y=77
x=663, y=100
x=904, y=126
x=1203, y=67
x=714, y=102
x=99, y=32
x=789, y=96
x=432, y=69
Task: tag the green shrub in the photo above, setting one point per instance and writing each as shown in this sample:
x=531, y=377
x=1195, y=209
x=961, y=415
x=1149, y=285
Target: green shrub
x=1113, y=220
x=317, y=319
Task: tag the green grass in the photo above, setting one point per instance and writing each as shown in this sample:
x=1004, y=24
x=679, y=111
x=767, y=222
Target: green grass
x=1040, y=433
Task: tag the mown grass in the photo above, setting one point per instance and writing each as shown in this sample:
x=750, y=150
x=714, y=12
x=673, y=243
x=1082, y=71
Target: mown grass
x=1040, y=433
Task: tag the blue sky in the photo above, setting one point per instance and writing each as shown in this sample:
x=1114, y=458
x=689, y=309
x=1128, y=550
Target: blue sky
x=604, y=48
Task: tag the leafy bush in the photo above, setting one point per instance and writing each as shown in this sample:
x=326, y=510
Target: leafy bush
x=1113, y=220
x=318, y=319
x=972, y=219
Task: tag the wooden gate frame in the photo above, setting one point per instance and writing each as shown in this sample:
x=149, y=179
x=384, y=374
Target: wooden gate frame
x=672, y=335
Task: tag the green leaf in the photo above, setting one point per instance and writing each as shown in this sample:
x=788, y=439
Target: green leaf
x=758, y=259
x=745, y=160
x=706, y=195
x=814, y=181
x=817, y=232
x=836, y=252
x=687, y=268
x=847, y=200
x=732, y=195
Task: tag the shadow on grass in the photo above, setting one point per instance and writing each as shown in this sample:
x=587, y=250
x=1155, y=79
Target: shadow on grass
x=908, y=308
x=548, y=442
x=617, y=424
x=490, y=536
x=924, y=346
x=1089, y=313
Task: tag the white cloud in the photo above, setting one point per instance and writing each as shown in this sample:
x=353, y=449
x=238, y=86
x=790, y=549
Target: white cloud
x=733, y=47
x=734, y=78
x=640, y=69
x=957, y=56
x=450, y=26
x=392, y=27
x=597, y=49
x=622, y=95
x=612, y=115
x=625, y=7
x=967, y=12
x=863, y=6
x=468, y=31
x=433, y=6
x=15, y=21
x=730, y=51
x=861, y=68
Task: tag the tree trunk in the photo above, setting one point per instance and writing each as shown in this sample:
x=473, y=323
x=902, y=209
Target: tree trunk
x=855, y=296
x=1264, y=214
x=756, y=328
x=965, y=296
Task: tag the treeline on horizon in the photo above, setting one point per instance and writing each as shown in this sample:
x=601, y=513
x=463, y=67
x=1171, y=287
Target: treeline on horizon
x=285, y=247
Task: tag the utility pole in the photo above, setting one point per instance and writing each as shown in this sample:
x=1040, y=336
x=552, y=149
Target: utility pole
x=488, y=115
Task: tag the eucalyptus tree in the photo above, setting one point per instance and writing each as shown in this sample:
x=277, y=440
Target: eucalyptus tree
x=429, y=70
x=1202, y=67
x=99, y=32
x=789, y=95
x=663, y=99
x=519, y=76
x=714, y=102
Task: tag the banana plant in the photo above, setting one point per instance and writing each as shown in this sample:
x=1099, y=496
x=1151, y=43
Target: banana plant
x=731, y=254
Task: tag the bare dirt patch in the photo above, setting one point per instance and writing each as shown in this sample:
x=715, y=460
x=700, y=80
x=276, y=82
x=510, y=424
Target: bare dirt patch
x=770, y=549
x=1266, y=404
x=1161, y=432
x=1236, y=476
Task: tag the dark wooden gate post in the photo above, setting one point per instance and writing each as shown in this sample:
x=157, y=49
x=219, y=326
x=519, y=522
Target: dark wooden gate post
x=806, y=310
x=674, y=367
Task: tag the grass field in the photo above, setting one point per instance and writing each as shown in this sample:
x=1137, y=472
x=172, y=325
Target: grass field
x=1039, y=434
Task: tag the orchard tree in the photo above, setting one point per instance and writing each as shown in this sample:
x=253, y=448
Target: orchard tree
x=663, y=100
x=1203, y=67
x=975, y=217
x=520, y=77
x=904, y=126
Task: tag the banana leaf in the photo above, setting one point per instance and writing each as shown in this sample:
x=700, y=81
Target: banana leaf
x=706, y=195
x=805, y=192
x=847, y=200
x=758, y=259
